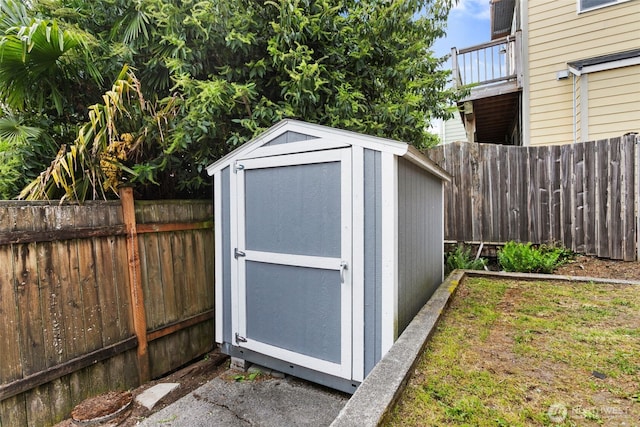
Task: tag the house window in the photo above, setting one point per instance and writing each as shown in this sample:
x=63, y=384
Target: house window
x=587, y=5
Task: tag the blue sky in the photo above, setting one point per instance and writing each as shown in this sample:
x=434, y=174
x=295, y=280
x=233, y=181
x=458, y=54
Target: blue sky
x=468, y=25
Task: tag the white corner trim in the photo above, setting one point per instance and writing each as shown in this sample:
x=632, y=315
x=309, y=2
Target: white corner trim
x=389, y=249
x=357, y=262
x=218, y=274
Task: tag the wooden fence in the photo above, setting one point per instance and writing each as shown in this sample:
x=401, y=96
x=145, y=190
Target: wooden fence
x=584, y=195
x=76, y=285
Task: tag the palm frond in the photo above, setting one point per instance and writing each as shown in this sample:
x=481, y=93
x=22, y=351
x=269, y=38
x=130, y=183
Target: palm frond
x=136, y=25
x=35, y=58
x=93, y=165
x=12, y=14
x=15, y=133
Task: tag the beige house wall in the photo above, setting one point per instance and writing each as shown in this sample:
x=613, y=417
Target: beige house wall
x=614, y=102
x=557, y=34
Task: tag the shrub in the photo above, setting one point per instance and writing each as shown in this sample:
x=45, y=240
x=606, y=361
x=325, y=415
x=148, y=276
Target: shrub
x=525, y=258
x=463, y=259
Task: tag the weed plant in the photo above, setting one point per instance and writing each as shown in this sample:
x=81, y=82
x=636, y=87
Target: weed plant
x=526, y=258
x=463, y=259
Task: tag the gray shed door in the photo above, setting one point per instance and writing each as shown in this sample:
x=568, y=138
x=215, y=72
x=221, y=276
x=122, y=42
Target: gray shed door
x=293, y=257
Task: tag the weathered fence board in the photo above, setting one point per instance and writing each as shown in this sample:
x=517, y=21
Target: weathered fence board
x=583, y=195
x=66, y=317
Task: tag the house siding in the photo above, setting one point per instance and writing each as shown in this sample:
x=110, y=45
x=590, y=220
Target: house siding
x=613, y=102
x=557, y=34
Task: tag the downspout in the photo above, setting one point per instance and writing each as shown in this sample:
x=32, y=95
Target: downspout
x=575, y=73
x=575, y=119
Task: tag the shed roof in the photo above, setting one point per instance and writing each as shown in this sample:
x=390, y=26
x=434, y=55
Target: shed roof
x=335, y=138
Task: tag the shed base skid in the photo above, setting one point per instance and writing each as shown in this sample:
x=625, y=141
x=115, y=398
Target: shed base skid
x=290, y=368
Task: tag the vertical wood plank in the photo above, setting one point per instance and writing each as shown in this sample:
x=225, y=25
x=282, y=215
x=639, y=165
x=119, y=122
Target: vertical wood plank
x=464, y=196
x=614, y=198
x=91, y=216
x=544, y=209
x=630, y=171
x=533, y=201
x=590, y=197
x=512, y=194
x=87, y=278
x=452, y=203
x=566, y=191
x=120, y=265
x=64, y=255
x=169, y=294
x=602, y=204
x=57, y=392
x=12, y=410
x=477, y=199
x=159, y=354
x=578, y=181
x=105, y=278
x=503, y=193
x=555, y=217
x=150, y=269
x=488, y=214
x=30, y=301
x=137, y=297
x=186, y=286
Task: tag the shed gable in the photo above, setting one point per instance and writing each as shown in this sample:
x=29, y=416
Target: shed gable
x=289, y=137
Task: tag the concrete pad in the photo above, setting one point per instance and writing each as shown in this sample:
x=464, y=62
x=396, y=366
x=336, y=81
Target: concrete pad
x=152, y=395
x=262, y=402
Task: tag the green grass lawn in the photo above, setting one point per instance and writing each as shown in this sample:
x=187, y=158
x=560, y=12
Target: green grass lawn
x=524, y=353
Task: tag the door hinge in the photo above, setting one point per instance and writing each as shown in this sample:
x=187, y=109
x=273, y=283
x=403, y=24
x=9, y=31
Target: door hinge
x=240, y=339
x=237, y=167
x=237, y=253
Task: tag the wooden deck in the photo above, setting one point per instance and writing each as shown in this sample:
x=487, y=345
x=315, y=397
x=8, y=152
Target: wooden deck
x=493, y=72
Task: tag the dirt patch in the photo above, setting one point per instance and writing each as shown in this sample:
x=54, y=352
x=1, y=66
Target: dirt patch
x=589, y=266
x=105, y=407
x=189, y=378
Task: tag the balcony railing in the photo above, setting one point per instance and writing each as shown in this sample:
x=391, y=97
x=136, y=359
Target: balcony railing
x=497, y=61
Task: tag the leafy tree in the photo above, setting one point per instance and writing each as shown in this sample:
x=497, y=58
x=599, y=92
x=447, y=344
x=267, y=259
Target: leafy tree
x=219, y=72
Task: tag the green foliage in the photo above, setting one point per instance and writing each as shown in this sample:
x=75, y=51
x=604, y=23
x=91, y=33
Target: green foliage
x=463, y=259
x=525, y=258
x=105, y=153
x=230, y=68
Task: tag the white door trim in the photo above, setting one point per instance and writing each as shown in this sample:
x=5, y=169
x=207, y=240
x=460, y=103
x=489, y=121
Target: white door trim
x=344, y=368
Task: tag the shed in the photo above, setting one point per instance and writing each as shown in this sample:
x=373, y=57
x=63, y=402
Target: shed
x=328, y=243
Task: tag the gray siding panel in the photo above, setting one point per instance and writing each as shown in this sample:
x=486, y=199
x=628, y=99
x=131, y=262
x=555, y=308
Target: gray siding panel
x=294, y=209
x=289, y=137
x=295, y=308
x=420, y=239
x=226, y=255
x=372, y=259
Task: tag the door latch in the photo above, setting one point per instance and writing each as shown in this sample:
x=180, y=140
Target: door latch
x=237, y=253
x=343, y=267
x=240, y=339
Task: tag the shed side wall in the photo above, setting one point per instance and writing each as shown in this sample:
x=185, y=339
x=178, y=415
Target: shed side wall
x=420, y=239
x=372, y=259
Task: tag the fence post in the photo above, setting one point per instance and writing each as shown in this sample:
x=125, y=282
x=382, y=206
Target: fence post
x=135, y=282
